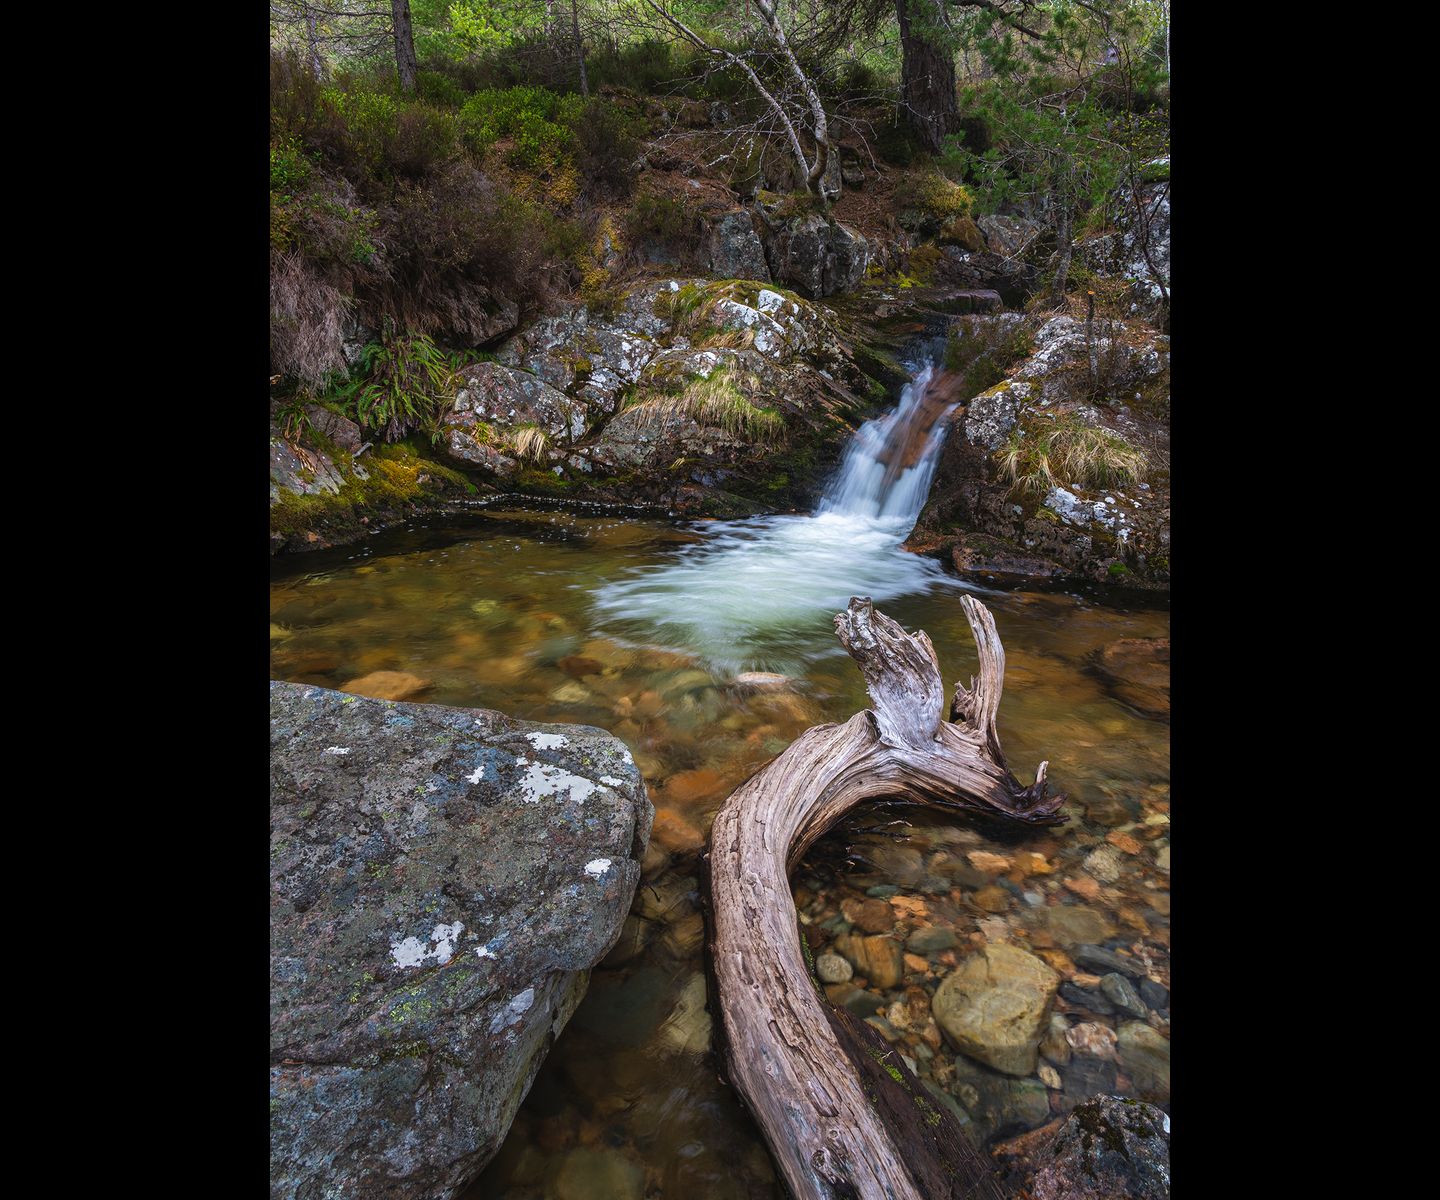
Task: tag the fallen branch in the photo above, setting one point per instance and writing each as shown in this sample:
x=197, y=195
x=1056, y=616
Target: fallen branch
x=842, y=1114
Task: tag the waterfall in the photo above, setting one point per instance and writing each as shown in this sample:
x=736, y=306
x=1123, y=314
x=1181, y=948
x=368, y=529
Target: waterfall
x=758, y=594
x=889, y=463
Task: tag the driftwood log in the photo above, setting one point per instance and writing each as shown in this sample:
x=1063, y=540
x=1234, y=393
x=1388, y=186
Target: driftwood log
x=843, y=1115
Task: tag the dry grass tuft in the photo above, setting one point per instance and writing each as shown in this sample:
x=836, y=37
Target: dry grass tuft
x=1064, y=449
x=716, y=402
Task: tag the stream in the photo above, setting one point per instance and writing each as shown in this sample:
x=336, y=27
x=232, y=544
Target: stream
x=650, y=628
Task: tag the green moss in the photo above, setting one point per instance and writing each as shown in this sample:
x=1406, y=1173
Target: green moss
x=546, y=483
x=398, y=478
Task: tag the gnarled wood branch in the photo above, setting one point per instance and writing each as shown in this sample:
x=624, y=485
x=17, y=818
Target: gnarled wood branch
x=835, y=1124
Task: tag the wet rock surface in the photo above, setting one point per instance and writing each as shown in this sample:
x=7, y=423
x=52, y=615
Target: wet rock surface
x=1106, y=388
x=1138, y=673
x=442, y=881
x=1110, y=1147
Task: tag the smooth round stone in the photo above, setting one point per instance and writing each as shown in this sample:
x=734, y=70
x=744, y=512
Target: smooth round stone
x=1145, y=1055
x=761, y=681
x=833, y=969
x=1154, y=994
x=930, y=941
x=1073, y=923
x=1122, y=994
x=1087, y=998
x=1105, y=961
x=995, y=1006
x=599, y=1175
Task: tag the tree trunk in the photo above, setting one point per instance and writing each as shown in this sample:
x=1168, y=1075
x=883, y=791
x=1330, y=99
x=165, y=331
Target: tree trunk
x=927, y=71
x=843, y=1115
x=819, y=125
x=579, y=46
x=312, y=41
x=1060, y=203
x=404, y=45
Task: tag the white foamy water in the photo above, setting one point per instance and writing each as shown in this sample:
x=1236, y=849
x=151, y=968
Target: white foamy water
x=760, y=593
x=863, y=487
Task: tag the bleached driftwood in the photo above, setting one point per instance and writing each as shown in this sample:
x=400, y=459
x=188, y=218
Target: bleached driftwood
x=842, y=1114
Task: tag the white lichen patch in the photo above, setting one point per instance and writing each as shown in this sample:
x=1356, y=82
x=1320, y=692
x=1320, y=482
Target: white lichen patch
x=541, y=780
x=611, y=781
x=337, y=750
x=479, y=774
x=513, y=1011
x=484, y=952
x=597, y=867
x=547, y=741
x=412, y=952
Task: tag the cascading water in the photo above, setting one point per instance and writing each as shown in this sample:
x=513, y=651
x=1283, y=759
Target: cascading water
x=758, y=594
x=888, y=465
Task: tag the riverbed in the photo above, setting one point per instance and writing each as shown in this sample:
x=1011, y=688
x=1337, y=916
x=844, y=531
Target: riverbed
x=646, y=628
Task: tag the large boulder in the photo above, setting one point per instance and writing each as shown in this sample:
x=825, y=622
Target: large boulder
x=589, y=357
x=818, y=257
x=994, y=1007
x=505, y=397
x=641, y=439
x=442, y=881
x=1109, y=1147
x=733, y=248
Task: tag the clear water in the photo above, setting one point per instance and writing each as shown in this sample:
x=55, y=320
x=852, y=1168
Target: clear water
x=639, y=626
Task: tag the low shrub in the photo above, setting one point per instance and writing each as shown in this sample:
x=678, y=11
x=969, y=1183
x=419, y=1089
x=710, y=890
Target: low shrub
x=452, y=244
x=644, y=65
x=671, y=224
x=436, y=87
x=607, y=141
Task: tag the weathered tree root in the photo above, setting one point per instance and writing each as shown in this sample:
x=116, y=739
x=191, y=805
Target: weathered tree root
x=843, y=1115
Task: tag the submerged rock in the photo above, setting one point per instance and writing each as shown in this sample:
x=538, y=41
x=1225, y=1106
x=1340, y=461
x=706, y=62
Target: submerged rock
x=601, y=1174
x=1137, y=671
x=879, y=959
x=442, y=880
x=1145, y=1055
x=1110, y=1147
x=995, y=1006
x=386, y=685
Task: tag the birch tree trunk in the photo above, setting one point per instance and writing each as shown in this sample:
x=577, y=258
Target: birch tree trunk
x=312, y=42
